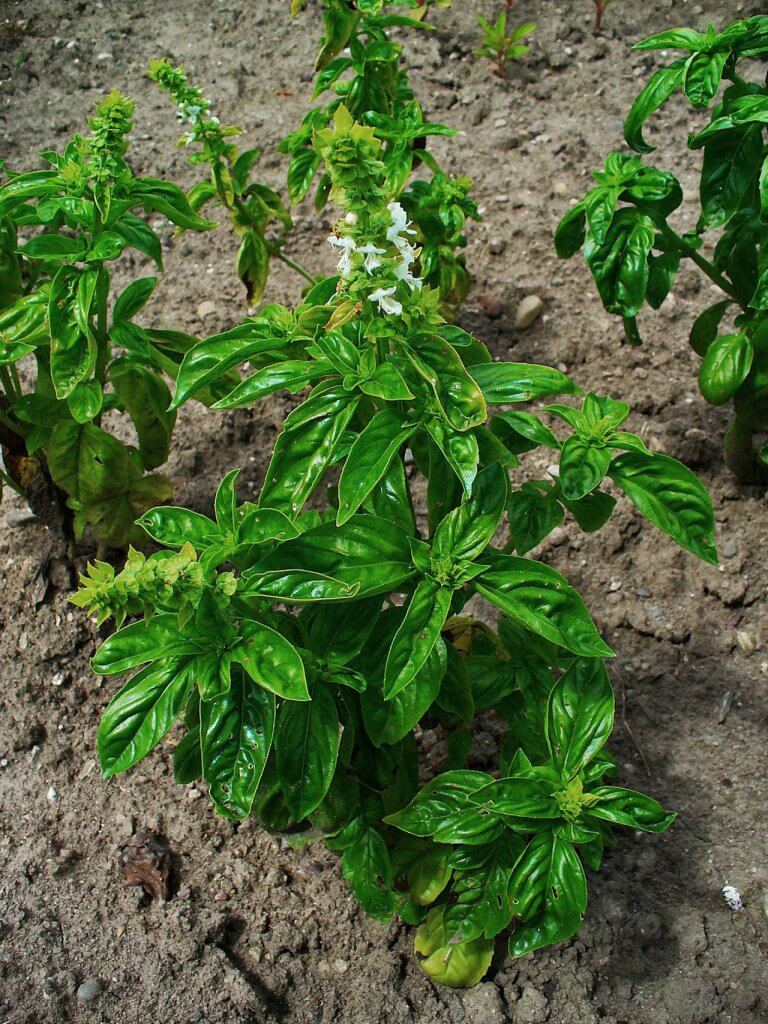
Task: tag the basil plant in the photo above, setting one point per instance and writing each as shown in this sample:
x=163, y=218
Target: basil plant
x=360, y=64
x=70, y=352
x=304, y=641
x=634, y=253
x=252, y=207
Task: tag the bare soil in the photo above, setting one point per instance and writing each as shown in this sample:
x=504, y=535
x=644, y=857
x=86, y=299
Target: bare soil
x=255, y=931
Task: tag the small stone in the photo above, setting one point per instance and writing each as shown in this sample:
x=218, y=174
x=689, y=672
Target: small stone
x=560, y=188
x=746, y=641
x=52, y=796
x=89, y=990
x=728, y=548
x=491, y=306
x=341, y=966
x=206, y=309
x=496, y=246
x=528, y=312
x=508, y=141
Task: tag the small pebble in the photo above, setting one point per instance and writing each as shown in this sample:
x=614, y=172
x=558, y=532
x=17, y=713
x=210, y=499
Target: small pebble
x=496, y=246
x=206, y=309
x=728, y=548
x=89, y=990
x=528, y=312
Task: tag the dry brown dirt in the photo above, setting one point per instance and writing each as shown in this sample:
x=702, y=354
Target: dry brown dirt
x=255, y=931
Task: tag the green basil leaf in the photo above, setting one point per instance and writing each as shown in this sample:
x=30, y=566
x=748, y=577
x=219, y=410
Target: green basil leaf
x=134, y=298
x=85, y=401
x=592, y=511
x=625, y=807
x=619, y=264
x=145, y=397
x=141, y=713
x=235, y=736
x=579, y=715
x=461, y=453
x=705, y=328
x=141, y=642
x=307, y=746
x=549, y=894
x=703, y=72
x=391, y=498
x=518, y=798
x=533, y=514
x=571, y=233
x=271, y=661
x=174, y=527
x=725, y=367
x=292, y=375
x=505, y=383
x=671, y=496
x=541, y=600
x=367, y=867
x=305, y=449
x=482, y=907
x=466, y=531
x=187, y=760
x=369, y=459
x=368, y=555
x=418, y=633
x=582, y=467
x=443, y=809
x=658, y=90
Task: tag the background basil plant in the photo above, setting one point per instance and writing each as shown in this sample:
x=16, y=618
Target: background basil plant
x=56, y=307
x=373, y=85
x=634, y=253
x=301, y=642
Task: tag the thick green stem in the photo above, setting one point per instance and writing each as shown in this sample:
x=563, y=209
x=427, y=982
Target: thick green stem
x=102, y=341
x=294, y=265
x=740, y=454
x=680, y=246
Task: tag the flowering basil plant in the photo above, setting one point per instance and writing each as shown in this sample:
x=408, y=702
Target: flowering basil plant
x=304, y=650
x=634, y=253
x=61, y=229
x=369, y=80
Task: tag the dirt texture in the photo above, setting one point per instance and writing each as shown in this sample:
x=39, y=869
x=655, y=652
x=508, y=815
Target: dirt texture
x=254, y=931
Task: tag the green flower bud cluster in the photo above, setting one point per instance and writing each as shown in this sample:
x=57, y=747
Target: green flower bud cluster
x=194, y=110
x=351, y=154
x=103, y=150
x=166, y=581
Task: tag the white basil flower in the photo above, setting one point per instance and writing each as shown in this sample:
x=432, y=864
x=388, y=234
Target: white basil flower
x=399, y=223
x=371, y=253
x=385, y=302
x=732, y=897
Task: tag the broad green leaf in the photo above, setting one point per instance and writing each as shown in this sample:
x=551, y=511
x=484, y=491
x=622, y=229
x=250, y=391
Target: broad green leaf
x=133, y=298
x=291, y=375
x=701, y=80
x=571, y=232
x=725, y=367
x=658, y=90
x=369, y=459
x=444, y=810
x=582, y=467
x=85, y=401
x=533, y=514
x=503, y=383
x=671, y=497
x=367, y=554
x=540, y=599
x=305, y=449
x=174, y=527
x=625, y=807
x=549, y=894
x=705, y=328
x=418, y=633
x=459, y=450
x=458, y=394
x=619, y=264
x=340, y=631
x=141, y=642
x=271, y=661
x=367, y=867
x=467, y=530
x=236, y=735
x=518, y=798
x=579, y=715
x=145, y=397
x=187, y=760
x=307, y=745
x=482, y=907
x=140, y=715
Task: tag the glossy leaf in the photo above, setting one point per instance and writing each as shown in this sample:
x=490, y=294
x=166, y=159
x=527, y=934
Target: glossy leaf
x=307, y=745
x=369, y=459
x=579, y=715
x=671, y=496
x=418, y=633
x=540, y=599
